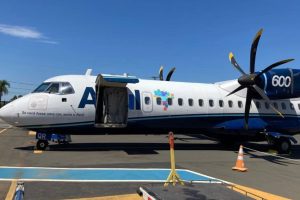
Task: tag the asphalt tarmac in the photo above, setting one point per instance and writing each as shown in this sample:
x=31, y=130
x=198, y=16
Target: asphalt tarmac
x=267, y=173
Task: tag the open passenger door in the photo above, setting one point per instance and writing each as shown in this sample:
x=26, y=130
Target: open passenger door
x=112, y=100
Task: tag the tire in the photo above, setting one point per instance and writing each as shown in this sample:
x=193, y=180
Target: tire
x=283, y=145
x=41, y=144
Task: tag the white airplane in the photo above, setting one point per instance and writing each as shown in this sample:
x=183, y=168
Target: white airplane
x=120, y=104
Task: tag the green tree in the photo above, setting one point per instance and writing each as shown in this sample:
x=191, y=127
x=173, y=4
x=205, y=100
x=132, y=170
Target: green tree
x=14, y=98
x=4, y=85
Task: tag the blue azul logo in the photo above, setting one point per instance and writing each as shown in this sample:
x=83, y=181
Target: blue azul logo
x=85, y=100
x=89, y=98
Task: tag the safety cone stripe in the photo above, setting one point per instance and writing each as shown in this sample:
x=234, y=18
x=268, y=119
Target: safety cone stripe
x=240, y=165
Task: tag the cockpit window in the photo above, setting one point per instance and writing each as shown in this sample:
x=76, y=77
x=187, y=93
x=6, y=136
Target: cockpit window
x=66, y=88
x=55, y=88
x=41, y=87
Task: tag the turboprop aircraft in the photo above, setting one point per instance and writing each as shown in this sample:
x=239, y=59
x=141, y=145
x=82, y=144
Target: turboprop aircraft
x=257, y=106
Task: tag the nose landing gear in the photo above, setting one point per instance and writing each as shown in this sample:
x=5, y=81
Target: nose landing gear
x=44, y=138
x=42, y=144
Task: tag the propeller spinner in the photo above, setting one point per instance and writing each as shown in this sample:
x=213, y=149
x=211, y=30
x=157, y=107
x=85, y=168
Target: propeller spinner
x=250, y=81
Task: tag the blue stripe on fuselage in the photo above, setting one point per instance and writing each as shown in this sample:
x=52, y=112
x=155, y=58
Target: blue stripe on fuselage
x=227, y=121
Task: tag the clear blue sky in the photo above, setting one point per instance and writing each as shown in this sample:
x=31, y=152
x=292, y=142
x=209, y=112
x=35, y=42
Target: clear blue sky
x=41, y=39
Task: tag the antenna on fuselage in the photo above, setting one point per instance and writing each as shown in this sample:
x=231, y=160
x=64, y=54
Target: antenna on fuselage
x=88, y=72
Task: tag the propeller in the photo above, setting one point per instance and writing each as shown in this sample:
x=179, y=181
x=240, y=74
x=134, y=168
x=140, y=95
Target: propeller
x=170, y=74
x=250, y=81
x=161, y=71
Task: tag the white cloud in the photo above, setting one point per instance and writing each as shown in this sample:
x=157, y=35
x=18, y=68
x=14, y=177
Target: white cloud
x=49, y=42
x=24, y=32
x=20, y=31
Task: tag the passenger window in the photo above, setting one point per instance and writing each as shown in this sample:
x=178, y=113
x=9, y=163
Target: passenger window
x=211, y=103
x=170, y=102
x=283, y=106
x=240, y=104
x=180, y=101
x=147, y=100
x=54, y=88
x=191, y=102
x=257, y=105
x=275, y=105
x=292, y=106
x=200, y=101
x=66, y=88
x=221, y=103
x=267, y=105
x=230, y=104
x=158, y=101
x=299, y=106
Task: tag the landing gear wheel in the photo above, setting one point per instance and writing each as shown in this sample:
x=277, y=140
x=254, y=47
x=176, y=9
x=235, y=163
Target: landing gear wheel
x=41, y=144
x=283, y=145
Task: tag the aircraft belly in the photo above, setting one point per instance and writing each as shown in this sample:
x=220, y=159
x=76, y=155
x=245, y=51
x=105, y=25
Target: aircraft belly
x=73, y=122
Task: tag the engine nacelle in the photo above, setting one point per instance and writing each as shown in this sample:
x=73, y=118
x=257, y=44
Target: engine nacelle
x=281, y=83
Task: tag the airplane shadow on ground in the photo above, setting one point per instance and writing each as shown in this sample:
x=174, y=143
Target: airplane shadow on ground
x=281, y=159
x=130, y=148
x=138, y=148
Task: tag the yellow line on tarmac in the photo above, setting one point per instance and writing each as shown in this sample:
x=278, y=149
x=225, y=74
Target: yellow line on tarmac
x=272, y=151
x=12, y=189
x=2, y=131
x=255, y=194
x=31, y=133
x=37, y=151
x=117, y=197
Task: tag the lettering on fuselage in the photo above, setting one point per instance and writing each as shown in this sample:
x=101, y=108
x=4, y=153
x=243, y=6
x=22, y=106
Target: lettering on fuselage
x=89, y=98
x=281, y=81
x=85, y=100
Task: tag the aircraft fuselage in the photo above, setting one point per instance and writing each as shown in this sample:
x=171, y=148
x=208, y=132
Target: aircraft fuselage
x=154, y=107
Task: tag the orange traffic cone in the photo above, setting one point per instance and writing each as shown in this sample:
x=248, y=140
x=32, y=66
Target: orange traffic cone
x=240, y=165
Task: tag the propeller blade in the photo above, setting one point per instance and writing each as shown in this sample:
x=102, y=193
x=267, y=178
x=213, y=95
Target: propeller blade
x=170, y=74
x=266, y=98
x=236, y=90
x=253, y=50
x=161, y=71
x=235, y=64
x=274, y=65
x=247, y=106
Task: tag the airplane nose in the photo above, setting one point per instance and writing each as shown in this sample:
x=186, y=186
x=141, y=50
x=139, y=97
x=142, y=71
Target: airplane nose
x=7, y=113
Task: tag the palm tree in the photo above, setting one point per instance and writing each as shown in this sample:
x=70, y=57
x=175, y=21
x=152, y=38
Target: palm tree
x=4, y=85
